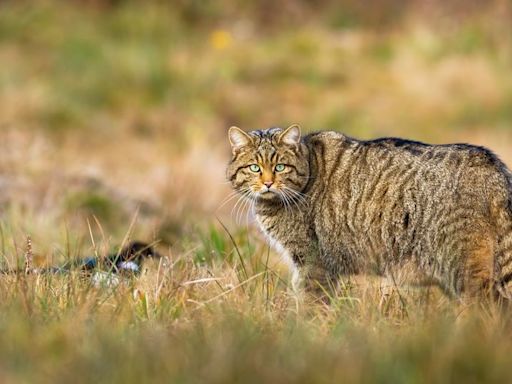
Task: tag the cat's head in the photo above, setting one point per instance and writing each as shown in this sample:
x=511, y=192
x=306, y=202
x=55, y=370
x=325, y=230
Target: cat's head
x=268, y=164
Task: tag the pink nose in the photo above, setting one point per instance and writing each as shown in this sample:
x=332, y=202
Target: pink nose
x=268, y=184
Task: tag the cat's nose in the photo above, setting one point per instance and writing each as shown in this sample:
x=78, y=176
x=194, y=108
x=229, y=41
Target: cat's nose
x=268, y=184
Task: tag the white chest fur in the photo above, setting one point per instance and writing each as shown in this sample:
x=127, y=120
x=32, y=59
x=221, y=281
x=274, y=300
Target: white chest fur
x=283, y=252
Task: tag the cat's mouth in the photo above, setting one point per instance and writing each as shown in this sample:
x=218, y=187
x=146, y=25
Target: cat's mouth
x=267, y=193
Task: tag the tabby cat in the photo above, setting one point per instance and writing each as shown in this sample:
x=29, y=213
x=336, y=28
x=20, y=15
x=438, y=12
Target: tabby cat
x=419, y=213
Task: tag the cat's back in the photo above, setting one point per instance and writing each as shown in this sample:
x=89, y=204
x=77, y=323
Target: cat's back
x=333, y=147
x=444, y=154
x=461, y=166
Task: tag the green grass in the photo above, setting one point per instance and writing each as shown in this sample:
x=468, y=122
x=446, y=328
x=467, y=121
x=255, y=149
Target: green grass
x=113, y=119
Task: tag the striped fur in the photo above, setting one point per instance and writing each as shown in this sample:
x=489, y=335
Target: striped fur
x=418, y=212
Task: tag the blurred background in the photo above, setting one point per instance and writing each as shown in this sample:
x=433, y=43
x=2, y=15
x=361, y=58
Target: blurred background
x=113, y=112
x=113, y=124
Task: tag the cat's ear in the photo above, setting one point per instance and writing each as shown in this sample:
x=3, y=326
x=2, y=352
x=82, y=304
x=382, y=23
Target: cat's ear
x=290, y=135
x=238, y=138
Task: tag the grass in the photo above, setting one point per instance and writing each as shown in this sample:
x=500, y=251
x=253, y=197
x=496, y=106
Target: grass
x=185, y=321
x=233, y=317
x=113, y=119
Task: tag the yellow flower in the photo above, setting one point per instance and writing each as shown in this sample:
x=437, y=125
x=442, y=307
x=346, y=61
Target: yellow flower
x=220, y=39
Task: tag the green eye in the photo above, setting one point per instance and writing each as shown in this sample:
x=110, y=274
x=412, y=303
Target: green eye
x=280, y=167
x=254, y=167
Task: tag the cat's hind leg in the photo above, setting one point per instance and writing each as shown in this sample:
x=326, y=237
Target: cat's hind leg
x=479, y=268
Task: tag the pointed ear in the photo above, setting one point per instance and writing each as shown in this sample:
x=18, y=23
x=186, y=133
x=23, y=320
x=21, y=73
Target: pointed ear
x=290, y=135
x=238, y=138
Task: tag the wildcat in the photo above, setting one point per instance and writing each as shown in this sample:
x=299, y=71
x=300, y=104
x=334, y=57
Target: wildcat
x=420, y=213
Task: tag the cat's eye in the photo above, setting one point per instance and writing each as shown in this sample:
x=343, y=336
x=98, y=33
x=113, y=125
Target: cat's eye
x=280, y=167
x=254, y=167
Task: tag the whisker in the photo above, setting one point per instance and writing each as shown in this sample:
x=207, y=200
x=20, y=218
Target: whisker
x=241, y=210
x=285, y=201
x=227, y=199
x=250, y=210
x=299, y=199
x=233, y=210
x=302, y=202
x=237, y=213
x=240, y=199
x=296, y=193
x=289, y=198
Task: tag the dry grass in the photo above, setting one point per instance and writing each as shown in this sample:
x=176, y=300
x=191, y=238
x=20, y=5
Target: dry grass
x=117, y=114
x=221, y=322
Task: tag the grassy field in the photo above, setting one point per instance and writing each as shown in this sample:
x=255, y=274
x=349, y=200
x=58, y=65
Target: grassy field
x=113, y=120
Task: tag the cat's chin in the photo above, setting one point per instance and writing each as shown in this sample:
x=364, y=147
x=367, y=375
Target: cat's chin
x=267, y=196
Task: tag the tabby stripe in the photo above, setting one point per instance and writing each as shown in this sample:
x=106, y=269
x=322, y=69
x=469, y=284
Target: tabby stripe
x=506, y=278
x=236, y=172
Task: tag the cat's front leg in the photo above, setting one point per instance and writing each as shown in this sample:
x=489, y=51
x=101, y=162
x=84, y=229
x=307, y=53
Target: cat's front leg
x=319, y=284
x=310, y=275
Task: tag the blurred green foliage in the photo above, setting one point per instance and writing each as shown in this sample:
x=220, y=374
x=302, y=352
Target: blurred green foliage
x=97, y=205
